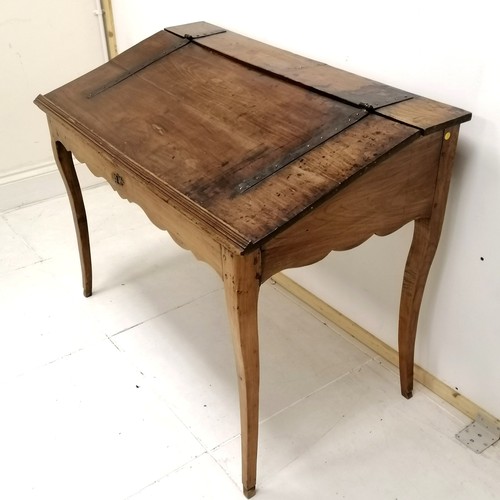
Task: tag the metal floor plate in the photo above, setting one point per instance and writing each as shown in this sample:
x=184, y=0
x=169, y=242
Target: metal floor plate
x=480, y=434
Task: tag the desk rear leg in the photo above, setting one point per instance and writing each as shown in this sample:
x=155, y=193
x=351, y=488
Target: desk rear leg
x=426, y=236
x=66, y=167
x=416, y=272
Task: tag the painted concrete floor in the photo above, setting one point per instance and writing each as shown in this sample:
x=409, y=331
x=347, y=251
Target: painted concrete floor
x=131, y=394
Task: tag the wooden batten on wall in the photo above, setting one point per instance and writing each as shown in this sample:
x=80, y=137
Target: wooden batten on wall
x=109, y=28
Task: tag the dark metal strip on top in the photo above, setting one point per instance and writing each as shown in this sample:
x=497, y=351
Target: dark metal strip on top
x=139, y=67
x=324, y=134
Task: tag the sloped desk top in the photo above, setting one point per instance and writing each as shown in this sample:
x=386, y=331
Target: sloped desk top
x=257, y=159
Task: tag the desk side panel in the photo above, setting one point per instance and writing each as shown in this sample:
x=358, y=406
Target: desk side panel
x=396, y=191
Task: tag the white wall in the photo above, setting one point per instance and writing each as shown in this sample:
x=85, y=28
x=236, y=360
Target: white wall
x=43, y=44
x=445, y=50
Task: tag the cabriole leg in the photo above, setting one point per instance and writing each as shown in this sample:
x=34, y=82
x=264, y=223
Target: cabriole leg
x=66, y=166
x=425, y=240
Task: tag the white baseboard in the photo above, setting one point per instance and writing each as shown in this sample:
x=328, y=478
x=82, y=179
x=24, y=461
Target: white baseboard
x=38, y=183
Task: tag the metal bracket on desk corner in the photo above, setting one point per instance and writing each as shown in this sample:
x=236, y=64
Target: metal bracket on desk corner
x=480, y=434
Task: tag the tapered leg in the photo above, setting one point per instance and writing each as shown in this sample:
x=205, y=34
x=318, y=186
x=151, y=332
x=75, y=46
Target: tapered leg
x=425, y=240
x=66, y=166
x=241, y=276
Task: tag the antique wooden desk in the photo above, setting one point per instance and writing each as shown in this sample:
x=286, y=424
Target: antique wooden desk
x=257, y=160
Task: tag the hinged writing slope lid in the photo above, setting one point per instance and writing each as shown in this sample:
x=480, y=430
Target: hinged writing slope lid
x=403, y=106
x=214, y=134
x=348, y=87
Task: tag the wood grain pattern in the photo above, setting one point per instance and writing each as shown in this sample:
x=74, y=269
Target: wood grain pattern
x=424, y=244
x=150, y=49
x=396, y=191
x=231, y=127
x=201, y=124
x=349, y=87
x=241, y=275
x=66, y=167
x=426, y=114
x=163, y=213
x=401, y=105
x=294, y=192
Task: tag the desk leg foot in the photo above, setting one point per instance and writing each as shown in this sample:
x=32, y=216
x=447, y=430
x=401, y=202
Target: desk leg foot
x=407, y=395
x=424, y=244
x=241, y=275
x=66, y=167
x=249, y=493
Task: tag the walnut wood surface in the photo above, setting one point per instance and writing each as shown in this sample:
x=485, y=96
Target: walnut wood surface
x=178, y=122
x=426, y=114
x=241, y=276
x=230, y=130
x=424, y=244
x=163, y=213
x=393, y=193
x=237, y=120
x=66, y=167
x=346, y=86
